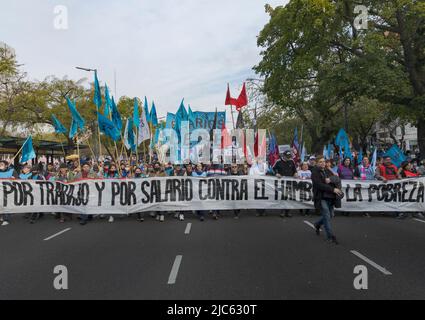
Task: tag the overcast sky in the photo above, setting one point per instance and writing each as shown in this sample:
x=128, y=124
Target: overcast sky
x=165, y=49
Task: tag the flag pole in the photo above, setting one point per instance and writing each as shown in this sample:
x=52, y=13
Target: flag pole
x=91, y=150
x=137, y=144
x=78, y=152
x=16, y=155
x=233, y=118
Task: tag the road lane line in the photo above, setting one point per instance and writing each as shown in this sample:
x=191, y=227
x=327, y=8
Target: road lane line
x=175, y=270
x=373, y=264
x=310, y=224
x=419, y=220
x=57, y=234
x=188, y=227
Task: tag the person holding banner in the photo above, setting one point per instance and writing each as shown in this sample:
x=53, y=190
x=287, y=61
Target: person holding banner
x=285, y=167
x=83, y=173
x=259, y=168
x=406, y=171
x=345, y=170
x=304, y=173
x=199, y=173
x=387, y=171
x=138, y=174
x=189, y=170
x=365, y=171
x=63, y=175
x=236, y=171
x=325, y=195
x=32, y=173
x=6, y=172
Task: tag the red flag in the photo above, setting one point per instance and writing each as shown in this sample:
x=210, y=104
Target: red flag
x=242, y=101
x=229, y=100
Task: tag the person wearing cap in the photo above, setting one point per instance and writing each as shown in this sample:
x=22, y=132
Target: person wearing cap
x=285, y=167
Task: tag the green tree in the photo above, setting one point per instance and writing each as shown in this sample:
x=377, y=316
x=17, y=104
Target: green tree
x=315, y=61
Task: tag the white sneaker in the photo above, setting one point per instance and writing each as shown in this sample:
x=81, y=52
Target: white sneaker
x=111, y=219
x=181, y=217
x=162, y=218
x=5, y=223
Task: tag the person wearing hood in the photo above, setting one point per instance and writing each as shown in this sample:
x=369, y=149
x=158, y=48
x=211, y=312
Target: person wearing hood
x=6, y=172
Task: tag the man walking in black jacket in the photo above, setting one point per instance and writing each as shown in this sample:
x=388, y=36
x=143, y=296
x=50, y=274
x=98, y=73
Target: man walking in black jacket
x=326, y=194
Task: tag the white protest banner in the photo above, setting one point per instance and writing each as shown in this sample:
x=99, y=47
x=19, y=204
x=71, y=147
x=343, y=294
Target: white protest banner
x=187, y=194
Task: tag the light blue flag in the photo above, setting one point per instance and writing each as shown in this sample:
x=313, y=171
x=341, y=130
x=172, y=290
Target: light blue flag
x=108, y=127
x=331, y=150
x=108, y=102
x=155, y=139
x=75, y=115
x=28, y=152
x=130, y=135
x=59, y=128
x=303, y=153
x=181, y=112
x=146, y=110
x=326, y=153
x=343, y=141
x=116, y=116
x=97, y=93
x=73, y=129
x=360, y=157
x=136, y=115
x=397, y=155
x=171, y=121
x=153, y=116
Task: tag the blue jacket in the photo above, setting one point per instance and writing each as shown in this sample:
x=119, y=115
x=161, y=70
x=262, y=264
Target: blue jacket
x=7, y=174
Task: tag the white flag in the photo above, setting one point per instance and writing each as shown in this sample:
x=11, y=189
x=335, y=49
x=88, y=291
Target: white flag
x=126, y=143
x=144, y=131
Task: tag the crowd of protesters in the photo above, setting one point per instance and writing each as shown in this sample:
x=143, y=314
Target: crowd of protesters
x=285, y=166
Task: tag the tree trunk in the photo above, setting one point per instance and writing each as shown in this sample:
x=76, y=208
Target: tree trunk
x=421, y=136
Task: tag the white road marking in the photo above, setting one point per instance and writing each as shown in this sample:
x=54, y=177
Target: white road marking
x=57, y=234
x=188, y=227
x=175, y=270
x=373, y=264
x=310, y=224
x=419, y=220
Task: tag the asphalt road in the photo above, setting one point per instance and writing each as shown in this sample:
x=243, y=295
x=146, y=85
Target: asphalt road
x=247, y=259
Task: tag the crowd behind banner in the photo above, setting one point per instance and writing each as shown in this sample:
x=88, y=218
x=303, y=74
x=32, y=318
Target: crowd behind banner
x=285, y=166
